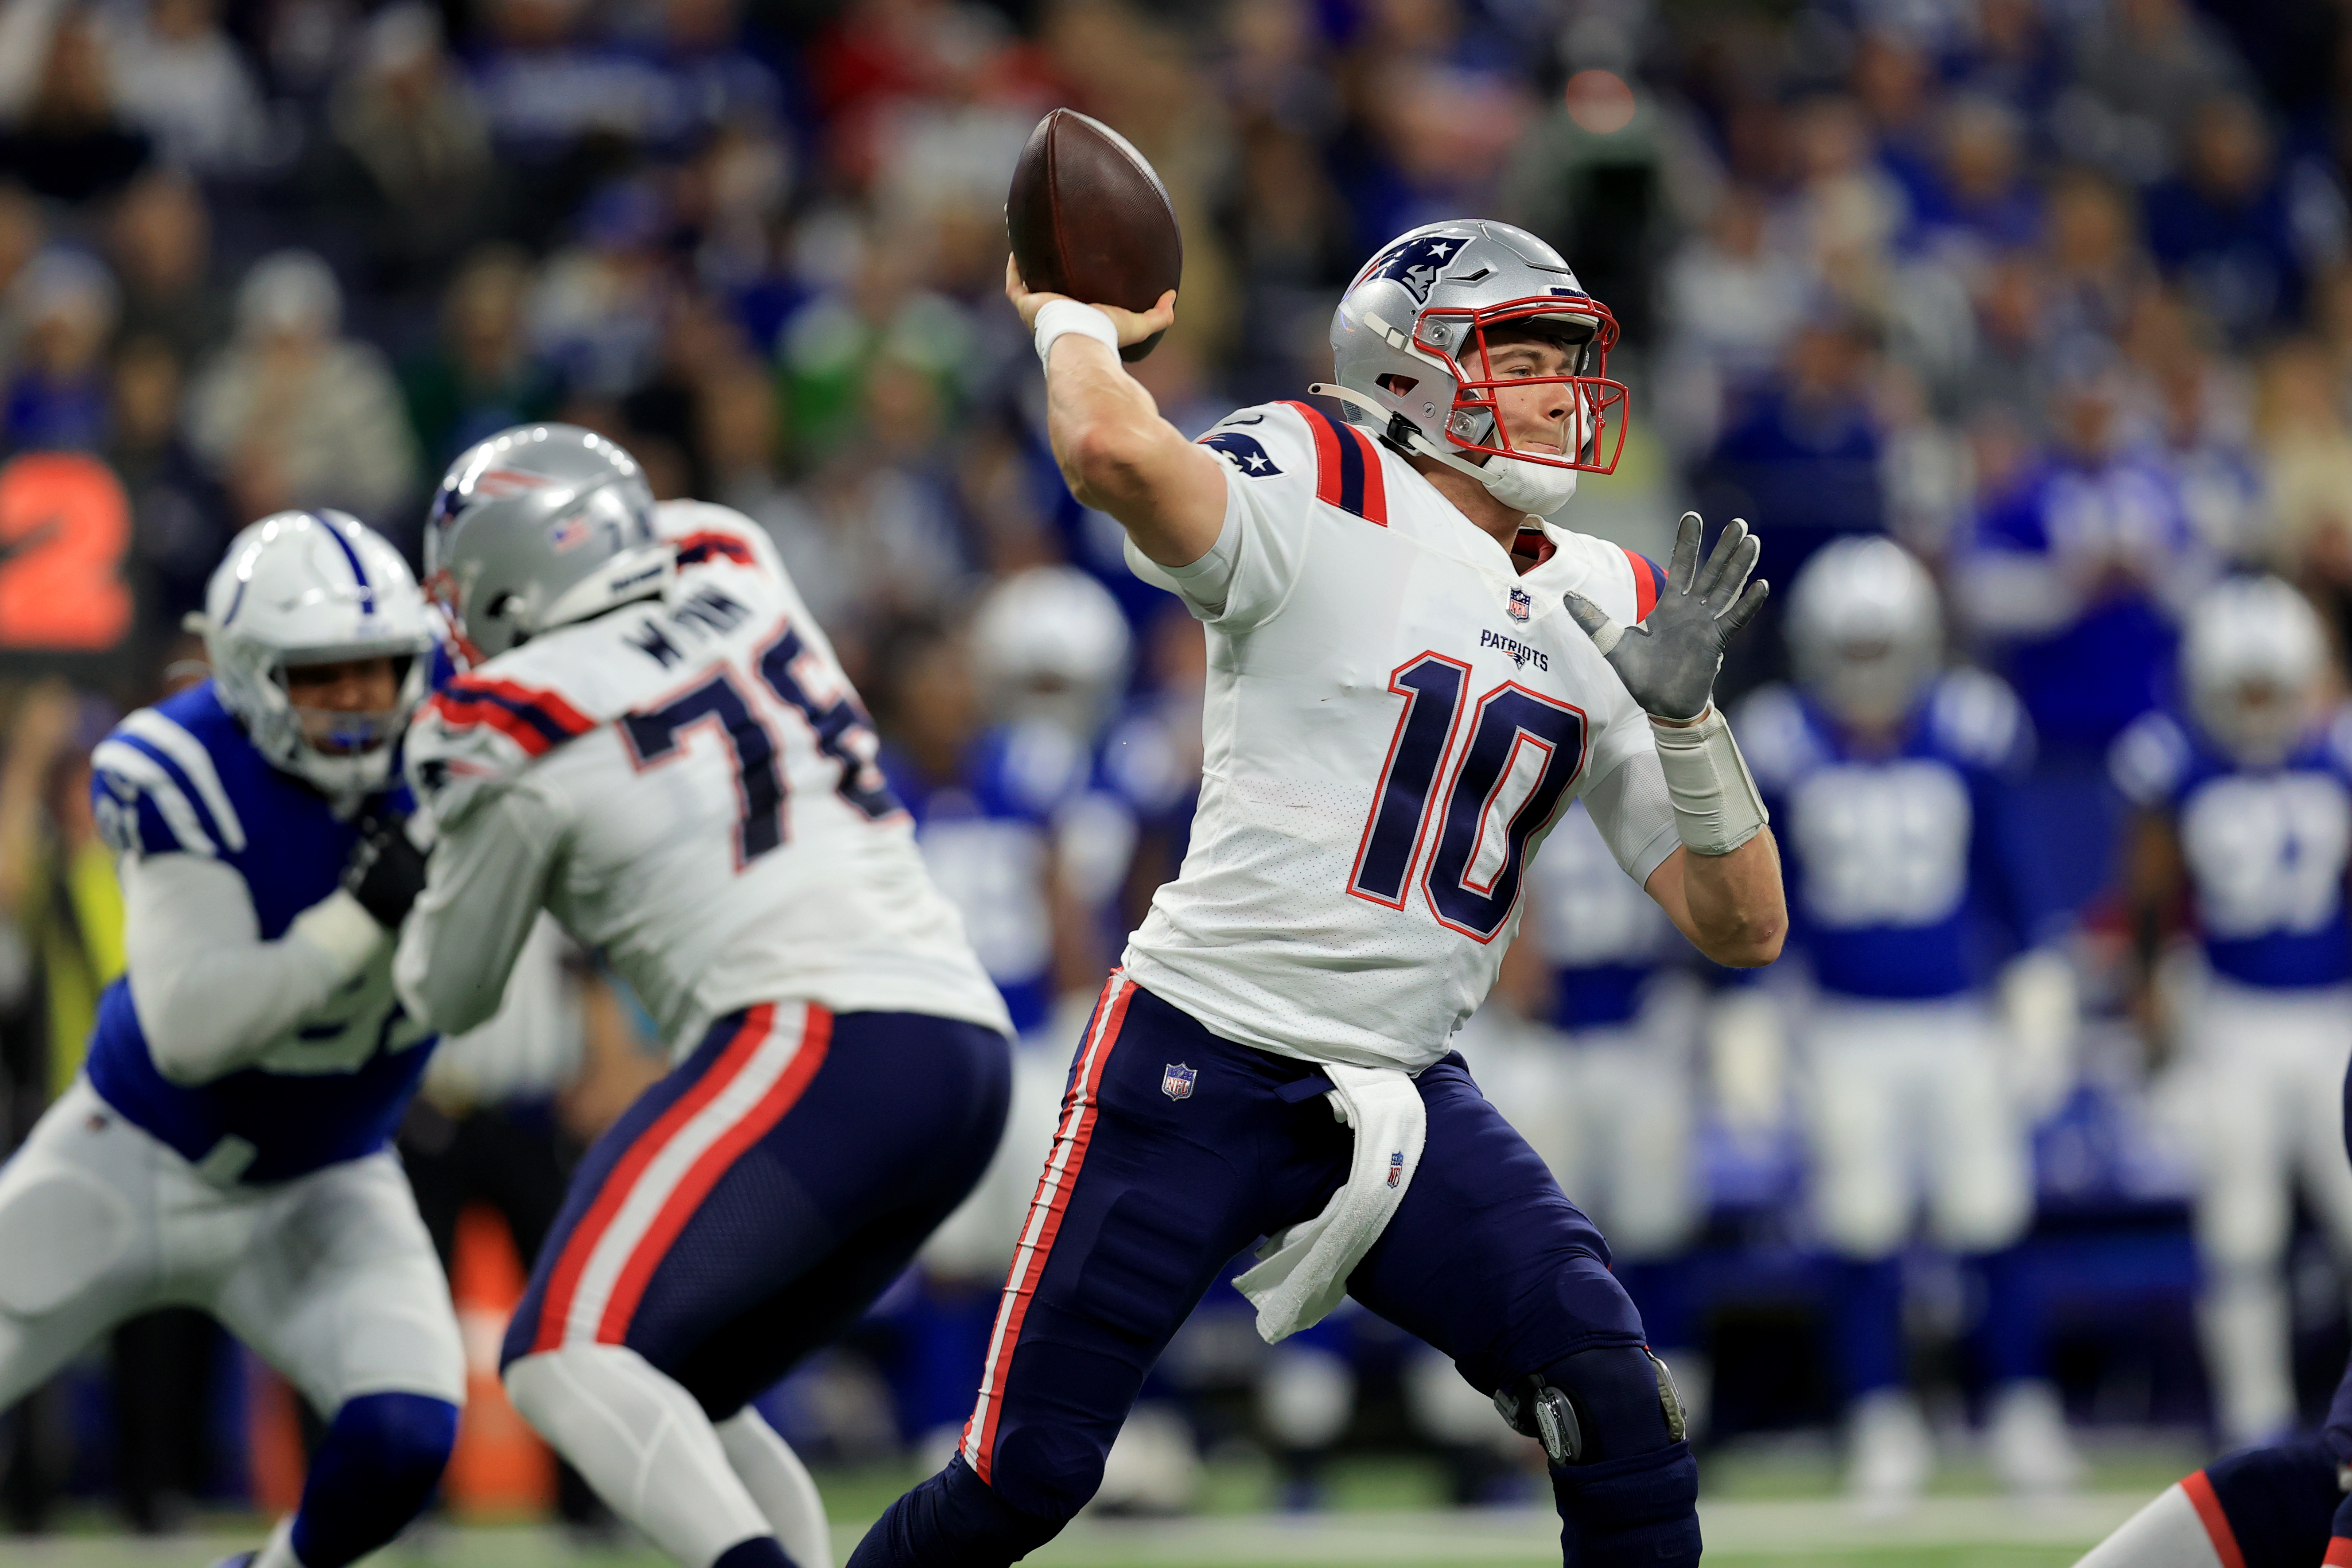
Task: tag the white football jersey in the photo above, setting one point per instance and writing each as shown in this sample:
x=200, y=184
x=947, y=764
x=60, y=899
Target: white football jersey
x=695, y=783
x=1398, y=710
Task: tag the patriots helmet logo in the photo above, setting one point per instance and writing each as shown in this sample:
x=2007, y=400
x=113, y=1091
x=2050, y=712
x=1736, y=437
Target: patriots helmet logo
x=1176, y=1083
x=569, y=532
x=1247, y=454
x=1415, y=262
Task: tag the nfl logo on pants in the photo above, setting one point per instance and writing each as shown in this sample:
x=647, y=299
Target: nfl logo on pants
x=1176, y=1083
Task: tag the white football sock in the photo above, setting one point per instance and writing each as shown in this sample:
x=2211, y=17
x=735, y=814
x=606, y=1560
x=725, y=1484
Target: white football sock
x=642, y=1443
x=2166, y=1533
x=2243, y=1314
x=781, y=1485
x=277, y=1551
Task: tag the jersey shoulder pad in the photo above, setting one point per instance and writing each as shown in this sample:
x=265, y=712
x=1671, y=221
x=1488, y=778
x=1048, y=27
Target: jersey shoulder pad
x=1977, y=721
x=480, y=731
x=1624, y=582
x=2151, y=760
x=707, y=534
x=1297, y=448
x=162, y=782
x=1778, y=736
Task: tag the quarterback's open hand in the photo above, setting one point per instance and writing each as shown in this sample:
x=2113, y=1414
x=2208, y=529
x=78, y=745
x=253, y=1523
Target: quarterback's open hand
x=1669, y=661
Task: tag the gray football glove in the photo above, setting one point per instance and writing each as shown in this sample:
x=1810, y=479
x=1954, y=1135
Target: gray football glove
x=1669, y=661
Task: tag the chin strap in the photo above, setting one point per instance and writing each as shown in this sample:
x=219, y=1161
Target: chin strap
x=1404, y=432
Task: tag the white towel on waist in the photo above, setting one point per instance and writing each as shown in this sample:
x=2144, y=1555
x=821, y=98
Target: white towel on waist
x=1303, y=1272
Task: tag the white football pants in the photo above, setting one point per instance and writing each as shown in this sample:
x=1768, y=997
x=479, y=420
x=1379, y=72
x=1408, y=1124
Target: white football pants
x=2263, y=1093
x=975, y=1243
x=1903, y=1103
x=1611, y=1111
x=329, y=1276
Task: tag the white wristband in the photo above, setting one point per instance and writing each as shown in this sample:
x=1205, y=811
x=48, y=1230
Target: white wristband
x=1717, y=806
x=1063, y=316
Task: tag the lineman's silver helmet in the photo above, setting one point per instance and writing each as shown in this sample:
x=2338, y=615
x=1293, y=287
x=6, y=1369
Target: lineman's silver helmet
x=1865, y=629
x=1050, y=643
x=540, y=526
x=2252, y=658
x=315, y=587
x=1410, y=355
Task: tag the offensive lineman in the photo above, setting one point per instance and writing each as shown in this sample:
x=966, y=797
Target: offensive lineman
x=224, y=1147
x=1410, y=675
x=656, y=743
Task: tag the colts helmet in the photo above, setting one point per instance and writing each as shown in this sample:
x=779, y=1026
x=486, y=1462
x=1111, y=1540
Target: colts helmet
x=2253, y=660
x=1865, y=629
x=1410, y=354
x=316, y=587
x=540, y=526
x=1050, y=643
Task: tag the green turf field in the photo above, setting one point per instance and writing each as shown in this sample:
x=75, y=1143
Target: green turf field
x=1771, y=1506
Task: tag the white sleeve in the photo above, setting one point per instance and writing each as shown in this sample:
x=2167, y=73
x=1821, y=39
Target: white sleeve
x=486, y=881
x=210, y=994
x=1635, y=815
x=1271, y=486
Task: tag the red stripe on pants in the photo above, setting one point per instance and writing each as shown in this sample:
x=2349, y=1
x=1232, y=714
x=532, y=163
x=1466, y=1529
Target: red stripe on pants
x=563, y=1283
x=816, y=1034
x=1052, y=1200
x=2217, y=1523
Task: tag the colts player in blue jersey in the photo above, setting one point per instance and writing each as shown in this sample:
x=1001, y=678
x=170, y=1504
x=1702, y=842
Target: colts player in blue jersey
x=224, y=1147
x=1893, y=778
x=2245, y=801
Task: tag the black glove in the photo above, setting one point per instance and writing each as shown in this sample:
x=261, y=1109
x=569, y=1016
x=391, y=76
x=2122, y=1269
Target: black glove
x=1669, y=661
x=386, y=870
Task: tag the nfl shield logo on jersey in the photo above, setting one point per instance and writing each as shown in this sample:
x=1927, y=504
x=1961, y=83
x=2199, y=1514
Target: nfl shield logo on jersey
x=1396, y=1166
x=1520, y=604
x=1176, y=1083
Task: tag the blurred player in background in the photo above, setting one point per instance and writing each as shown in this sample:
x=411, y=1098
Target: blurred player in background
x=2244, y=806
x=2282, y=1506
x=1382, y=599
x=1893, y=777
x=1608, y=1098
x=994, y=734
x=225, y=1146
x=655, y=743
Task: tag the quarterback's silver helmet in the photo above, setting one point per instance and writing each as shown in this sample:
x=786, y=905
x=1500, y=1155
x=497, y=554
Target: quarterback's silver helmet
x=2253, y=660
x=1410, y=353
x=316, y=587
x=540, y=526
x=1865, y=629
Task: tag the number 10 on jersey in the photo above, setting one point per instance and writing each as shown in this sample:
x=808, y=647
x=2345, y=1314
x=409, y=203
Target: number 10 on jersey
x=1523, y=752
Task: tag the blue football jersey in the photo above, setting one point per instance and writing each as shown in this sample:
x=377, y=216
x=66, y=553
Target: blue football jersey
x=2265, y=848
x=988, y=842
x=1600, y=934
x=1906, y=871
x=182, y=778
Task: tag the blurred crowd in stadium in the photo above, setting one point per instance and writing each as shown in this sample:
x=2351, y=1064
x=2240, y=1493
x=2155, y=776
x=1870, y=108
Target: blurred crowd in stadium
x=2057, y=293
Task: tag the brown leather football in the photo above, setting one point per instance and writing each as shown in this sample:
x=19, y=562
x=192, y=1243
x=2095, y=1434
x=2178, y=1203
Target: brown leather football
x=1088, y=219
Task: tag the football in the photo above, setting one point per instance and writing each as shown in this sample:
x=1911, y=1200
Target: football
x=1088, y=219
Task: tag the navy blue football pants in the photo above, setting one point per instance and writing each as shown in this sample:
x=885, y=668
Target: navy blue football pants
x=1175, y=1151
x=751, y=1205
x=2278, y=1507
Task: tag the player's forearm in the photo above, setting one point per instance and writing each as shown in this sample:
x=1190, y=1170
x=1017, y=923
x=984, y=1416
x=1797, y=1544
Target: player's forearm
x=468, y=926
x=1119, y=455
x=211, y=995
x=1733, y=910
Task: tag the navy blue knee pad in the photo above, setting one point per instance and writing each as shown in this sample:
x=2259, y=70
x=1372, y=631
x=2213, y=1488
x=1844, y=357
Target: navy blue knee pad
x=1629, y=1495
x=381, y=1459
x=954, y=1519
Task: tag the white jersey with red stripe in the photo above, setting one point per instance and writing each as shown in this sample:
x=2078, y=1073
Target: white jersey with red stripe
x=1398, y=710
x=689, y=785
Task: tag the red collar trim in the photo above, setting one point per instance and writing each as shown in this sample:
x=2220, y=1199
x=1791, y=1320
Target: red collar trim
x=1531, y=549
